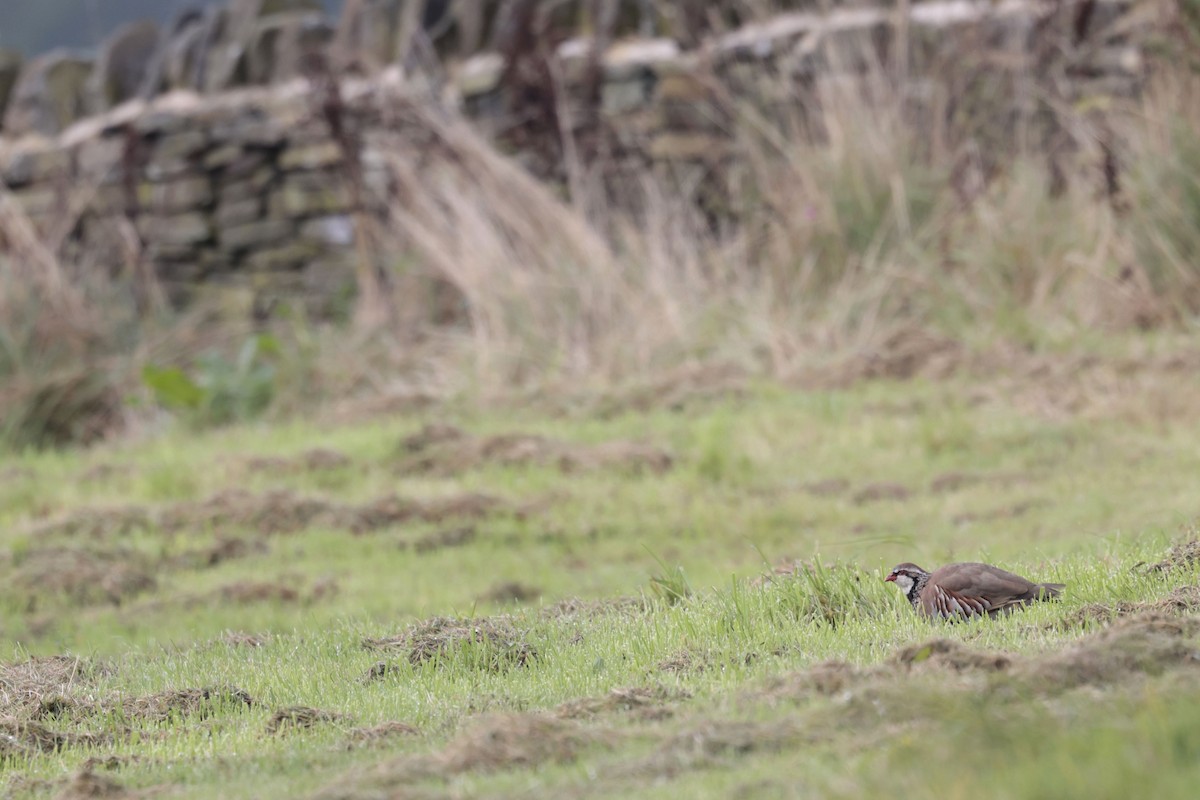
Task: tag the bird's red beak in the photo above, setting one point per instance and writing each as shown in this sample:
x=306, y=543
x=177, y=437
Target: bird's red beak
x=891, y=577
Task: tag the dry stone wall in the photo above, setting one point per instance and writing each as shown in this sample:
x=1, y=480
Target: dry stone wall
x=258, y=193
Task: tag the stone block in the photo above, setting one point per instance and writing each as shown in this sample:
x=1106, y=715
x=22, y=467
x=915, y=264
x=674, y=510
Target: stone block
x=333, y=231
x=35, y=166
x=100, y=158
x=310, y=194
x=253, y=185
x=179, y=146
x=238, y=212
x=256, y=234
x=688, y=147
x=285, y=257
x=311, y=156
x=224, y=156
x=191, y=228
x=172, y=197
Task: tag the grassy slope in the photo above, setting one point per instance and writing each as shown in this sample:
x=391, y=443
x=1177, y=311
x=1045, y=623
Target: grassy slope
x=730, y=705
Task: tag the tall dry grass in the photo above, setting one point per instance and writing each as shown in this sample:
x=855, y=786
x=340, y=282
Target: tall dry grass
x=870, y=249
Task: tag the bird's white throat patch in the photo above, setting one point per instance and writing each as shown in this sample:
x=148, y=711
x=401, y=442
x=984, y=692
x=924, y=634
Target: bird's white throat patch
x=905, y=583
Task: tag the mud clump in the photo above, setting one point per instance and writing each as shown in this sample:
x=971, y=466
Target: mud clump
x=878, y=492
x=82, y=577
x=490, y=644
x=294, y=717
x=200, y=703
x=644, y=703
x=948, y=654
x=445, y=450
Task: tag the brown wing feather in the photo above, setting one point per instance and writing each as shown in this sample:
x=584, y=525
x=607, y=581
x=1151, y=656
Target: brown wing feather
x=999, y=587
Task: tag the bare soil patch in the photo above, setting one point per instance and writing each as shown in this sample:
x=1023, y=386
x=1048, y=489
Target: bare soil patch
x=1179, y=601
x=280, y=591
x=445, y=450
x=491, y=644
x=293, y=717
x=95, y=523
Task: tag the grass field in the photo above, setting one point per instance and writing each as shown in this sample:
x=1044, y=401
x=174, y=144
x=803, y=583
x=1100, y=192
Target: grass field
x=573, y=604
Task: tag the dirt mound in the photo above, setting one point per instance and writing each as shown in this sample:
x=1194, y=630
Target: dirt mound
x=95, y=523
x=222, y=550
x=1147, y=644
x=506, y=741
x=176, y=703
x=712, y=743
x=87, y=784
x=301, y=717
x=574, y=607
x=318, y=459
x=241, y=639
x=648, y=703
x=1179, y=601
x=282, y=511
x=1184, y=555
x=1013, y=511
x=826, y=678
x=511, y=592
x=440, y=540
x=491, y=644
x=948, y=654
x=678, y=390
x=876, y=492
x=830, y=487
x=906, y=351
x=25, y=736
x=26, y=685
x=445, y=450
x=685, y=661
x=82, y=577
x=359, y=737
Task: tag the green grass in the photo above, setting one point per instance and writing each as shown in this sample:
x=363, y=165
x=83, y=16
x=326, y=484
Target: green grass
x=850, y=482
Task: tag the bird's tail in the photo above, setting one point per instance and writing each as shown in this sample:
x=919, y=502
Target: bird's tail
x=1049, y=591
